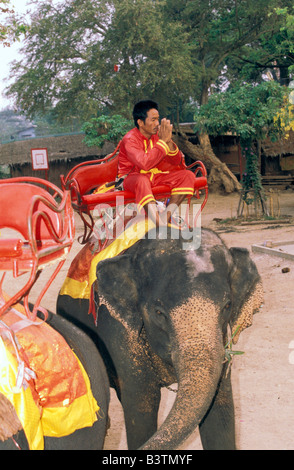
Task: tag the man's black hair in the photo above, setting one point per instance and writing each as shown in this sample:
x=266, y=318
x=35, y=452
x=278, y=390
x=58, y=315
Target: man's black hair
x=141, y=109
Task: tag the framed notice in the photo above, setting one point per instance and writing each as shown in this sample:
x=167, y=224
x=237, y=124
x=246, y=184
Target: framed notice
x=40, y=159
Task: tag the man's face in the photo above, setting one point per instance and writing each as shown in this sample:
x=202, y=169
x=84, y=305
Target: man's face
x=150, y=126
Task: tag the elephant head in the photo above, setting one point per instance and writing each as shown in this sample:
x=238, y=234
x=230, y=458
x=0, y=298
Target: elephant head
x=184, y=300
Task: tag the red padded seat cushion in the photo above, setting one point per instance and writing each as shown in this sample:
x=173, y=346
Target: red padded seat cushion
x=110, y=197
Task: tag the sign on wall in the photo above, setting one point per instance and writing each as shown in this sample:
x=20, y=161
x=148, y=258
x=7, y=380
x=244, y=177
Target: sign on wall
x=40, y=159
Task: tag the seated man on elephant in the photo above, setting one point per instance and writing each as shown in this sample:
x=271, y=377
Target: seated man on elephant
x=148, y=157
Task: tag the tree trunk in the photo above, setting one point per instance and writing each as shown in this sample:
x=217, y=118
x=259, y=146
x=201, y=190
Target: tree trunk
x=220, y=178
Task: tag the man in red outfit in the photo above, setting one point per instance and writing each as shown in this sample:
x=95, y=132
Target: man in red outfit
x=148, y=157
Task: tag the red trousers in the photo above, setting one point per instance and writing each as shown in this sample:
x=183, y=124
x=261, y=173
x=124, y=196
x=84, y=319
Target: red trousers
x=180, y=182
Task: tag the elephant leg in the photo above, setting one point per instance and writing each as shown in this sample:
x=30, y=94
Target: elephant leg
x=19, y=442
x=217, y=429
x=91, y=438
x=140, y=411
x=135, y=381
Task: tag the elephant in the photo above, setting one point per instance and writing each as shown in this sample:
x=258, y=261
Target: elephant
x=88, y=438
x=165, y=312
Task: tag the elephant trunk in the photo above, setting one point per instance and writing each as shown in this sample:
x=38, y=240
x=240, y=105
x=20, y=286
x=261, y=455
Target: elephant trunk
x=196, y=389
x=198, y=359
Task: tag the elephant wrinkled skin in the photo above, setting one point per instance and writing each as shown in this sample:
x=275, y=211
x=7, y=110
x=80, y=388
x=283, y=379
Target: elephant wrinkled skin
x=163, y=317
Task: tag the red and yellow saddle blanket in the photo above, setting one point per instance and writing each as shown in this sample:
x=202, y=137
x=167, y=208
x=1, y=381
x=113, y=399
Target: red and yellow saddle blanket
x=43, y=379
x=82, y=272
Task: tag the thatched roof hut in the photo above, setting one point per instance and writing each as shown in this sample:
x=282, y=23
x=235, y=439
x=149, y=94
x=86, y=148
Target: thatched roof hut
x=280, y=147
x=64, y=147
x=64, y=152
x=278, y=162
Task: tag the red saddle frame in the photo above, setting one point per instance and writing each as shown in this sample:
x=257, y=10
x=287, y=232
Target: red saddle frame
x=42, y=220
x=89, y=175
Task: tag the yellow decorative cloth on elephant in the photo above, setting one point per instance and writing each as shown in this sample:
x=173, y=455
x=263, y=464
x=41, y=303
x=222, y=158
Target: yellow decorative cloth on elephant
x=43, y=379
x=82, y=272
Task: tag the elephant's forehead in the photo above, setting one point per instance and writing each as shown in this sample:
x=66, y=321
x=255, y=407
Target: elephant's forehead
x=207, y=258
x=199, y=263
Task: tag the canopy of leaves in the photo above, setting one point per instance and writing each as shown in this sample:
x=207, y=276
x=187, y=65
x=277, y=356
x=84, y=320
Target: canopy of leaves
x=72, y=49
x=245, y=110
x=105, y=128
x=9, y=30
x=167, y=50
x=251, y=113
x=271, y=54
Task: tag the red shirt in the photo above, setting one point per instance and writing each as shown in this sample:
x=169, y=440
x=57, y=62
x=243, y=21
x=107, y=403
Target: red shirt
x=137, y=153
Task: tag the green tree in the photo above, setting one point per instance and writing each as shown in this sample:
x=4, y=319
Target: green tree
x=85, y=57
x=251, y=113
x=72, y=49
x=10, y=29
x=218, y=31
x=153, y=54
x=271, y=55
x=4, y=30
x=105, y=128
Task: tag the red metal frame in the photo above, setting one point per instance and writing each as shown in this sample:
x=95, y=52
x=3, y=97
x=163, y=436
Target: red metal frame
x=89, y=175
x=41, y=216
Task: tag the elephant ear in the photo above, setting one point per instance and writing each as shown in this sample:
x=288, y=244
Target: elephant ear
x=117, y=290
x=247, y=291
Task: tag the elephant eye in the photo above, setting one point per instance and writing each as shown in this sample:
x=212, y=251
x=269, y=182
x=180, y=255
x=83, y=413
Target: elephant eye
x=159, y=308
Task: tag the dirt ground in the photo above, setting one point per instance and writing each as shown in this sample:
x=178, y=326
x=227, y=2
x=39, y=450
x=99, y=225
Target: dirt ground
x=263, y=377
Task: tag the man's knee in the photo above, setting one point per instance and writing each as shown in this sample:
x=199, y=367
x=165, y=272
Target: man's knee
x=185, y=178
x=189, y=177
x=142, y=182
x=135, y=183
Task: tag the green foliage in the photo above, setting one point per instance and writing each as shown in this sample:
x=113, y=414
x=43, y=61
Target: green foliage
x=245, y=110
x=5, y=8
x=71, y=52
x=105, y=129
x=12, y=29
x=169, y=51
x=250, y=113
x=229, y=352
x=287, y=33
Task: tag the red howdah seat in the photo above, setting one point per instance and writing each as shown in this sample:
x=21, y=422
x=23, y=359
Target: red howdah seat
x=40, y=220
x=86, y=177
